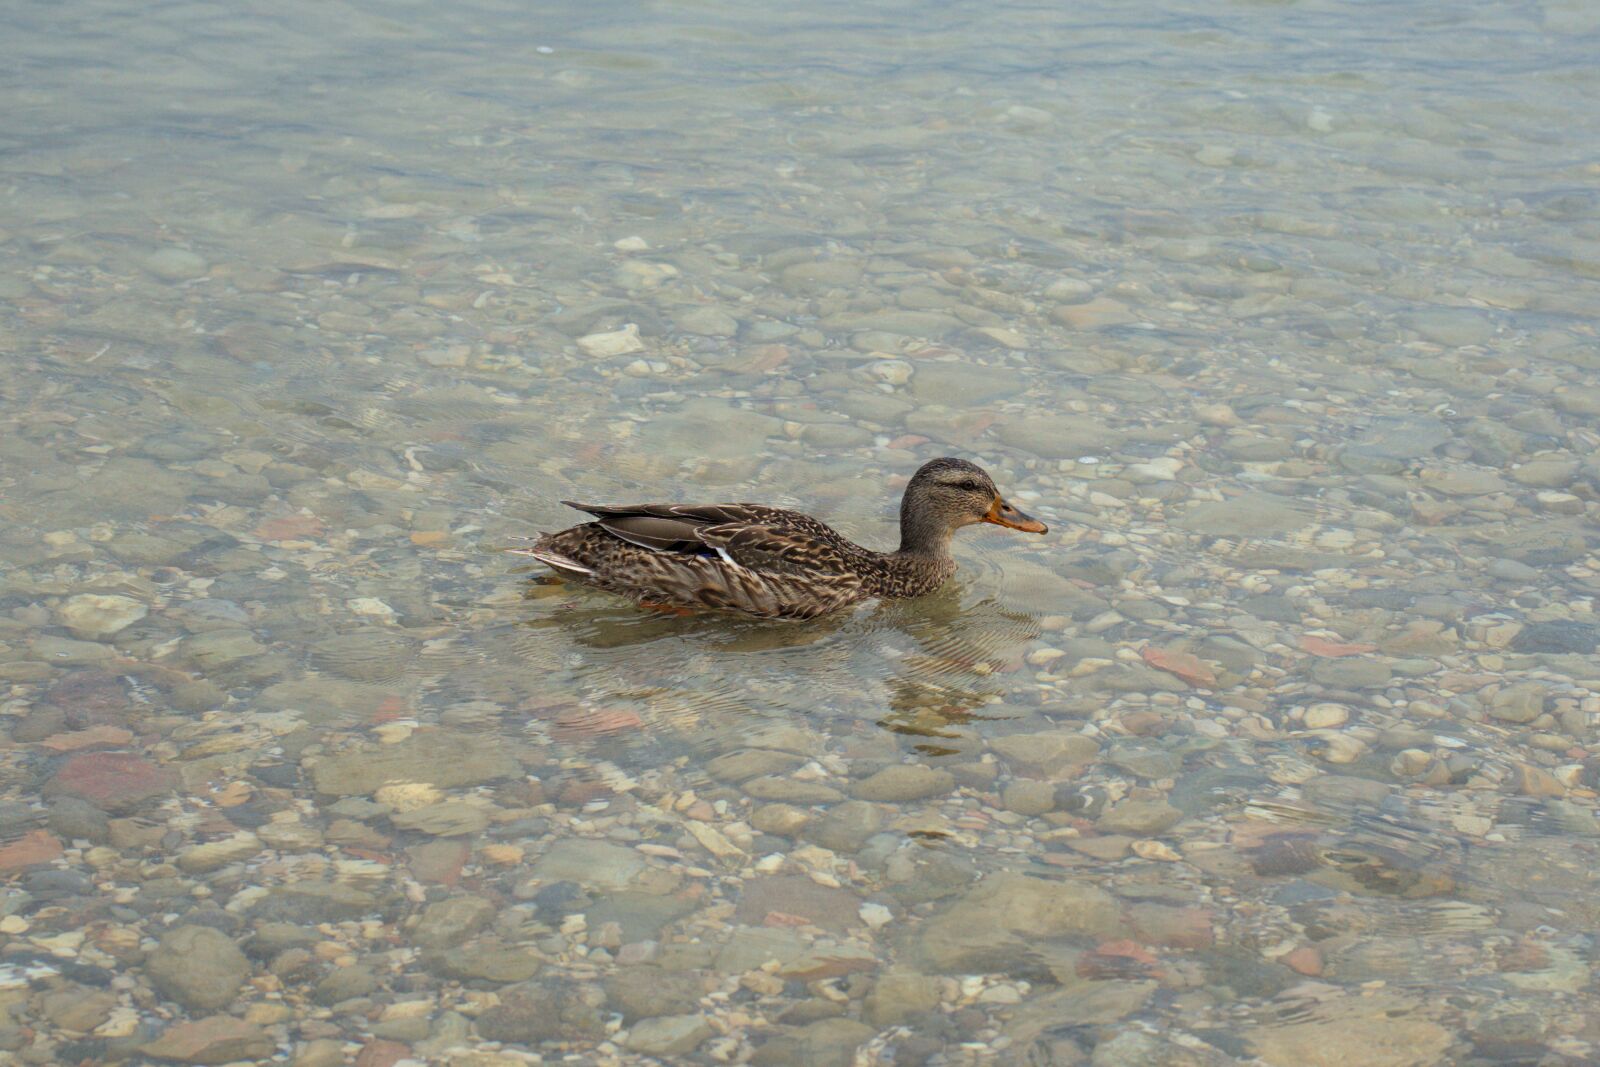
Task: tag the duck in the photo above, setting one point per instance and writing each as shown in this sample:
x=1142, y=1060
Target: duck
x=772, y=563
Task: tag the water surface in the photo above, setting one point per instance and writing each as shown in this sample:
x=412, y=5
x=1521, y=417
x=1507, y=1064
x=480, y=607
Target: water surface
x=1276, y=749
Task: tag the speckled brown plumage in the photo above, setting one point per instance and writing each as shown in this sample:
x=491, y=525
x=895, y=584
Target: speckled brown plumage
x=770, y=562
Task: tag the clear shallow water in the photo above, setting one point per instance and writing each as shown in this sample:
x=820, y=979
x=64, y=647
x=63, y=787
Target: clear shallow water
x=1282, y=316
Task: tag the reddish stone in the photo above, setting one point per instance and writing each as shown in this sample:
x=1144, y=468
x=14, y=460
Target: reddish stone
x=216, y=1039
x=1184, y=665
x=1321, y=646
x=116, y=782
x=36, y=846
x=576, y=794
x=438, y=862
x=381, y=1053
x=101, y=736
x=290, y=528
x=579, y=723
x=1304, y=960
x=90, y=698
x=1118, y=959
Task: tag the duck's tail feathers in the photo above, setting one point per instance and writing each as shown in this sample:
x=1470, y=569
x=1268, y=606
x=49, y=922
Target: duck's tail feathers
x=553, y=559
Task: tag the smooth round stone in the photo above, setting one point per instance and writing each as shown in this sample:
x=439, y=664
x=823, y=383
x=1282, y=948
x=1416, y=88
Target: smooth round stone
x=1029, y=797
x=175, y=264
x=905, y=781
x=1326, y=716
x=1547, y=472
x=706, y=322
x=92, y=616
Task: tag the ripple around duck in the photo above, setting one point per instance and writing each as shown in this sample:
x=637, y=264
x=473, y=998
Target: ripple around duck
x=923, y=668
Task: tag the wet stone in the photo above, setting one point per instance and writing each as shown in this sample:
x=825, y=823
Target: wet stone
x=996, y=923
x=1519, y=703
x=825, y=1043
x=114, y=782
x=450, y=922
x=799, y=898
x=1351, y=673
x=843, y=828
x=1247, y=515
x=312, y=902
x=669, y=1035
x=543, y=1012
x=1048, y=752
x=217, y=1039
x=487, y=962
x=962, y=384
x=198, y=967
x=595, y=863
x=904, y=782
x=1138, y=815
x=95, y=617
x=442, y=759
x=648, y=992
x=76, y=819
x=1557, y=636
x=1027, y=797
x=344, y=983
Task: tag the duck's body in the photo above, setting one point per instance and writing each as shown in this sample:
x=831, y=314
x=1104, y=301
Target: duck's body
x=770, y=562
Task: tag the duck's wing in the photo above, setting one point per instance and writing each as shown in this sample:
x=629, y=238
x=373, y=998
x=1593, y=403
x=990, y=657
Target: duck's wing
x=749, y=535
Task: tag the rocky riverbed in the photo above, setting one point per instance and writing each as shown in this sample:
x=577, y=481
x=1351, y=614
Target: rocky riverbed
x=1279, y=749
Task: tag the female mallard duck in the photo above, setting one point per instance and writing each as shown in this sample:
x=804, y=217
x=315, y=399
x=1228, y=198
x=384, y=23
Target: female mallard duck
x=769, y=562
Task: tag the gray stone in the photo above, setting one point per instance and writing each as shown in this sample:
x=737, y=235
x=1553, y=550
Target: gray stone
x=1058, y=436
x=1049, y=752
x=1378, y=1031
x=344, y=983
x=217, y=1039
x=452, y=818
x=846, y=827
x=790, y=791
x=305, y=903
x=647, y=992
x=450, y=922
x=706, y=322
x=1247, y=515
x=749, y=763
x=197, y=966
x=441, y=758
x=898, y=995
x=903, y=782
x=1138, y=815
x=595, y=863
x=824, y=1043
x=1351, y=673
x=998, y=924
x=964, y=384
x=484, y=961
x=95, y=617
x=1519, y=703
x=1547, y=472
x=532, y=1013
x=76, y=819
x=175, y=264
x=669, y=1035
x=798, y=898
x=1029, y=797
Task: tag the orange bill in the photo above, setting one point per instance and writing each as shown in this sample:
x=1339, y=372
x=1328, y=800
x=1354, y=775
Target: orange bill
x=1003, y=514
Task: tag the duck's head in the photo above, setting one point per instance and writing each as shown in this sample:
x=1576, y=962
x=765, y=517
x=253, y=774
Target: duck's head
x=947, y=494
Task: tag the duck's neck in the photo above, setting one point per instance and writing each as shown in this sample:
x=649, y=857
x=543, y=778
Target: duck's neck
x=922, y=536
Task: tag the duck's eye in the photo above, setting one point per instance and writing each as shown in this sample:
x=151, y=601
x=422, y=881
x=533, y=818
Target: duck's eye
x=969, y=486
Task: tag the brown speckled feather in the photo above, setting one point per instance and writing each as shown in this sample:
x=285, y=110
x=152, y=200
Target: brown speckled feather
x=734, y=557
